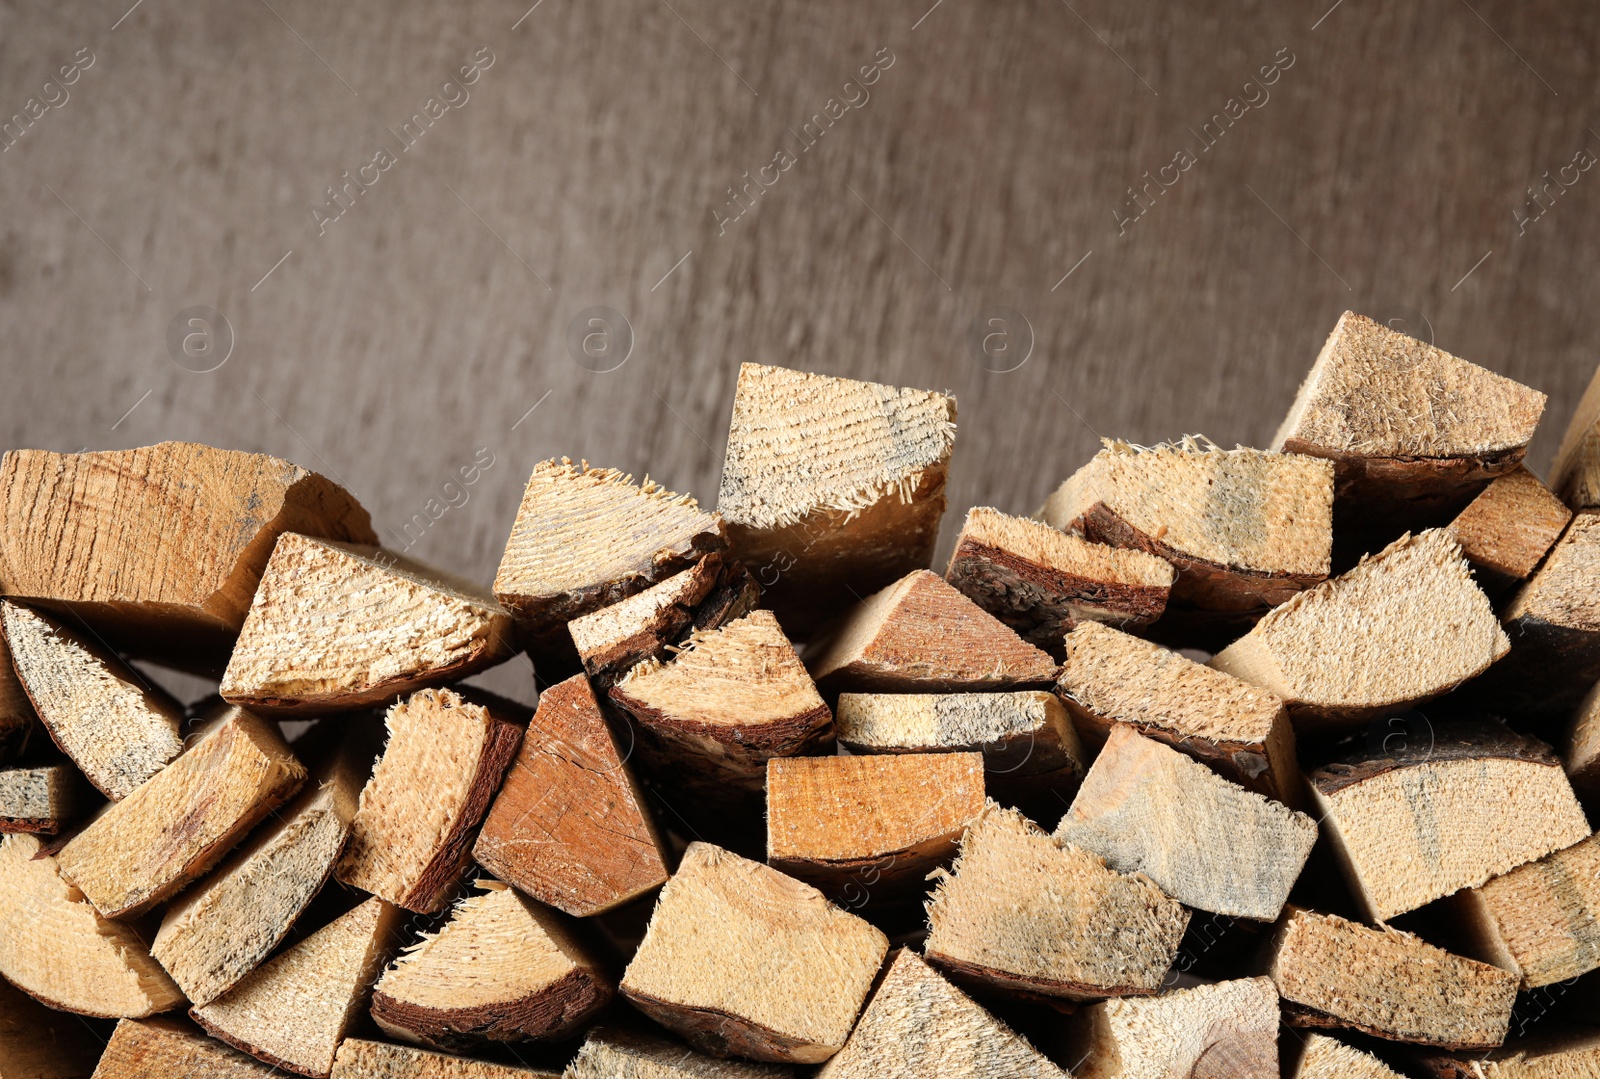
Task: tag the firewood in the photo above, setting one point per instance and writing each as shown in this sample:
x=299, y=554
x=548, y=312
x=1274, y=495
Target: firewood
x=1336, y=973
x=1227, y=1030
x=337, y=626
x=921, y=635
x=1242, y=731
x=17, y=720
x=741, y=959
x=1028, y=914
x=1323, y=1057
x=1433, y=817
x=1569, y=1054
x=412, y=835
x=41, y=798
x=295, y=1009
x=140, y=1048
x=1207, y=842
x=832, y=487
x=57, y=948
x=180, y=823
x=863, y=828
x=359, y=1058
x=919, y=1026
x=1041, y=581
x=39, y=1043
x=1404, y=626
x=624, y=1054
x=1575, y=472
x=1541, y=920
x=1581, y=757
x=1508, y=529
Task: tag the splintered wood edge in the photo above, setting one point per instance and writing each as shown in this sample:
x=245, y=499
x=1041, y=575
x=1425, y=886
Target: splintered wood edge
x=1049, y=991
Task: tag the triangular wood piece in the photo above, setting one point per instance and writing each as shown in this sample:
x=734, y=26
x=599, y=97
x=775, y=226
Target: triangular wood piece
x=1322, y=1057
x=362, y=1059
x=1563, y=1054
x=40, y=1043
x=1541, y=920
x=1227, y=1030
x=1508, y=529
x=42, y=798
x=295, y=1009
x=1581, y=757
x=626, y=1054
x=338, y=626
x=921, y=635
x=56, y=947
x=502, y=969
x=17, y=721
x=117, y=727
x=1575, y=472
x=140, y=1048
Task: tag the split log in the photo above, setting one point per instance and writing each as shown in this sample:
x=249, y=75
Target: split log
x=1582, y=756
x=1336, y=973
x=17, y=720
x=1571, y=1054
x=336, y=626
x=58, y=949
x=42, y=798
x=359, y=1058
x=1207, y=842
x=1475, y=801
x=39, y=1043
x=1025, y=913
x=177, y=825
x=1540, y=921
x=502, y=969
x=832, y=487
x=1242, y=731
x=921, y=635
x=1323, y=1057
x=1575, y=472
x=140, y=1048
x=411, y=839
x=1227, y=1030
x=295, y=1009
x=621, y=1054
x=1404, y=626
x=735, y=961
x=866, y=829
x=1508, y=529
x=569, y=826
x=1041, y=581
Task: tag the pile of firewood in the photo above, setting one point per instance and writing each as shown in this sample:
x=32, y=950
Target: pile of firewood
x=1218, y=751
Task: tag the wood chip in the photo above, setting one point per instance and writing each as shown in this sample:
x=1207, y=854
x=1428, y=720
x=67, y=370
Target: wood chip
x=622, y=1054
x=39, y=1043
x=1228, y=1030
x=362, y=1059
x=1573, y=1054
x=1541, y=920
x=42, y=798
x=1323, y=1057
x=1508, y=529
x=140, y=1048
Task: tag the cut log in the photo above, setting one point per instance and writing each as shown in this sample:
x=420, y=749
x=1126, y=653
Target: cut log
x=1336, y=973
x=362, y=1059
x=42, y=798
x=624, y=1054
x=1029, y=915
x=502, y=969
x=919, y=1026
x=831, y=487
x=1508, y=529
x=1404, y=626
x=140, y=1048
x=295, y=1009
x=1541, y=920
x=38, y=1043
x=57, y=948
x=866, y=829
x=116, y=726
x=569, y=827
x=1475, y=801
x=1242, y=731
x=1582, y=756
x=412, y=836
x=1571, y=1054
x=1207, y=842
x=741, y=959
x=1323, y=1057
x=1041, y=581
x=17, y=721
x=1227, y=1030
x=177, y=825
x=921, y=635
x=336, y=626
x=1575, y=472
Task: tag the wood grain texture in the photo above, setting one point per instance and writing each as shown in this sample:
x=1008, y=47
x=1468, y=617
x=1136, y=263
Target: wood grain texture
x=1541, y=920
x=1323, y=1057
x=360, y=1058
x=1581, y=755
x=1567, y=1054
x=42, y=798
x=1575, y=472
x=145, y=1047
x=1508, y=529
x=39, y=1043
x=1226, y=1030
x=625, y=1054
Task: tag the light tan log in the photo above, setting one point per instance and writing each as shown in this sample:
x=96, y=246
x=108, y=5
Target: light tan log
x=1575, y=471
x=832, y=486
x=1026, y=913
x=295, y=1009
x=336, y=626
x=1207, y=842
x=740, y=958
x=1403, y=626
x=17, y=720
x=412, y=835
x=39, y=1043
x=362, y=1059
x=144, y=1048
x=1568, y=1054
x=1508, y=529
x=1448, y=812
x=1336, y=973
x=1242, y=731
x=177, y=825
x=1041, y=581
x=1541, y=920
x=1581, y=757
x=921, y=635
x=625, y=1054
x=56, y=947
x=1227, y=1030
x=1323, y=1057
x=43, y=798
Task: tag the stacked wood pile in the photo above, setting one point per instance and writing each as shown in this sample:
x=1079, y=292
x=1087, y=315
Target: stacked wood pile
x=1225, y=764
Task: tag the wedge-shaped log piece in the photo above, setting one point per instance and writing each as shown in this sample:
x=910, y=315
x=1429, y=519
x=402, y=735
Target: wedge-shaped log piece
x=58, y=948
x=295, y=1009
x=412, y=835
x=1575, y=472
x=1227, y=1030
x=741, y=959
x=831, y=486
x=1323, y=1057
x=17, y=721
x=1541, y=920
x=1026, y=913
x=921, y=635
x=1336, y=973
x=1403, y=626
x=140, y=1048
x=863, y=828
x=38, y=1043
x=177, y=825
x=1242, y=731
x=626, y=1054
x=502, y=969
x=1441, y=815
x=1207, y=842
x=362, y=1059
x=1042, y=581
x=1569, y=1054
x=919, y=1026
x=117, y=727
x=337, y=626
x=1582, y=756
x=1508, y=529
x=42, y=798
